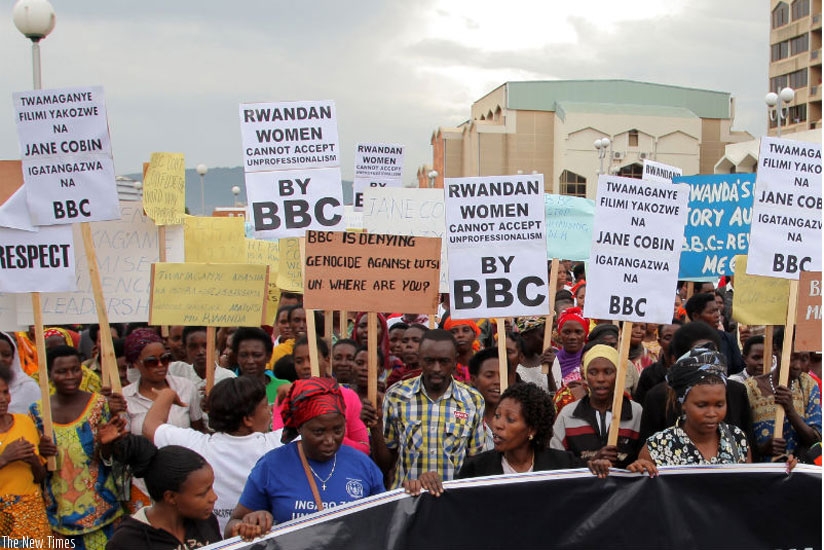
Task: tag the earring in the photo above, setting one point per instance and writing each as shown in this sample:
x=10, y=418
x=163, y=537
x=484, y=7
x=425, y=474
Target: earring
x=531, y=437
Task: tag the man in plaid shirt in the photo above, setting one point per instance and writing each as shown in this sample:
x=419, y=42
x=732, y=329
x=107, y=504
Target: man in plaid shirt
x=430, y=422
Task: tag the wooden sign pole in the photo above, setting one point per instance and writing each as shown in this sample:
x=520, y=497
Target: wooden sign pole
x=43, y=375
x=329, y=325
x=768, y=349
x=108, y=361
x=210, y=359
x=372, y=345
x=343, y=324
x=312, y=336
x=620, y=383
x=550, y=320
x=786, y=356
x=503, y=367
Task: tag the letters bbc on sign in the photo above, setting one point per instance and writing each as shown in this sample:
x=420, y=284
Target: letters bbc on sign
x=786, y=217
x=67, y=155
x=637, y=238
x=496, y=245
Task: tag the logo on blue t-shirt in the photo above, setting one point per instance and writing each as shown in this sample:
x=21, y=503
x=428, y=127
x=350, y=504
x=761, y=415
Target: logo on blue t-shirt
x=354, y=488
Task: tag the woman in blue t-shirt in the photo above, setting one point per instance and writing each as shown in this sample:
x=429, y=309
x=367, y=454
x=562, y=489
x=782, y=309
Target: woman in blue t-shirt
x=315, y=473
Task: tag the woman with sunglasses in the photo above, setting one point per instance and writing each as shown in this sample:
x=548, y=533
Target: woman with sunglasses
x=146, y=352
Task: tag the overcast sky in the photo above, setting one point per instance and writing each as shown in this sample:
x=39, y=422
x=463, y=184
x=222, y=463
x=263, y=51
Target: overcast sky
x=175, y=72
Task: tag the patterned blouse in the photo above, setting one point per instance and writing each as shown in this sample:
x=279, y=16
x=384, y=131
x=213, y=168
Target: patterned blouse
x=673, y=447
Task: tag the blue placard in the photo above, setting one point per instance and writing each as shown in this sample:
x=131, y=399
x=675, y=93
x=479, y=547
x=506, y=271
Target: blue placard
x=718, y=224
x=568, y=227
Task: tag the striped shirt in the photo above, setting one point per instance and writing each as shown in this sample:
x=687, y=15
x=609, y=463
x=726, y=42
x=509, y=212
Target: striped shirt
x=432, y=435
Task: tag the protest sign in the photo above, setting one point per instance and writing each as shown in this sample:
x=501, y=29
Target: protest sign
x=67, y=155
x=286, y=204
x=14, y=210
x=369, y=272
x=289, y=135
x=37, y=261
x=217, y=295
x=164, y=189
x=376, y=165
x=8, y=313
x=718, y=224
x=290, y=266
x=352, y=220
x=758, y=300
x=496, y=245
x=125, y=249
x=214, y=240
x=808, y=317
x=660, y=172
x=266, y=253
x=414, y=211
x=786, y=219
x=637, y=238
x=568, y=227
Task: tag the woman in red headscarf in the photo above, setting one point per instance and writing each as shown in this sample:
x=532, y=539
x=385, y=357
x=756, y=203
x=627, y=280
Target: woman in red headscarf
x=466, y=332
x=308, y=475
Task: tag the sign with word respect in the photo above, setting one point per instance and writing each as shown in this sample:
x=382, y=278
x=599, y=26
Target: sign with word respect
x=637, y=238
x=376, y=165
x=37, y=261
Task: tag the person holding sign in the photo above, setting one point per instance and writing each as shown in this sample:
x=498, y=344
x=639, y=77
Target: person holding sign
x=303, y=477
x=701, y=436
x=583, y=427
x=801, y=403
x=85, y=516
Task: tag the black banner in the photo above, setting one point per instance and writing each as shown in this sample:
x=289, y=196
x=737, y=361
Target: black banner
x=750, y=506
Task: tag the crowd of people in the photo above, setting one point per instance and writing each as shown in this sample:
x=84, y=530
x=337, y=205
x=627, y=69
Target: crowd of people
x=165, y=465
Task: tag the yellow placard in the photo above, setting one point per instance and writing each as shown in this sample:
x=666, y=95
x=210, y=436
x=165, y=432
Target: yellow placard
x=266, y=253
x=759, y=300
x=217, y=295
x=290, y=277
x=164, y=189
x=214, y=240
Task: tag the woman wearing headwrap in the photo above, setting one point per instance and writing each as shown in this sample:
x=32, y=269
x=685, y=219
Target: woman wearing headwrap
x=22, y=387
x=700, y=436
x=56, y=336
x=306, y=475
x=583, y=426
x=466, y=332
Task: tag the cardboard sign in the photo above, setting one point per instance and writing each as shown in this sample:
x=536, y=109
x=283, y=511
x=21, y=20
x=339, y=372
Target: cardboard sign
x=266, y=253
x=660, y=172
x=496, y=244
x=289, y=136
x=214, y=240
x=67, y=155
x=786, y=218
x=126, y=249
x=14, y=209
x=164, y=189
x=718, y=224
x=758, y=300
x=290, y=268
x=371, y=272
x=637, y=238
x=287, y=204
x=376, y=165
x=808, y=316
x=217, y=295
x=568, y=227
x=37, y=261
x=414, y=211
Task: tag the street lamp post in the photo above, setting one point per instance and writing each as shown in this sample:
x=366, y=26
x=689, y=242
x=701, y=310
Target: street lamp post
x=602, y=145
x=235, y=193
x=779, y=112
x=35, y=19
x=201, y=170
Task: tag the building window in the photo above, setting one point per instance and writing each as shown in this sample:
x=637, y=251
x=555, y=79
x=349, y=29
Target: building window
x=800, y=44
x=780, y=51
x=801, y=8
x=633, y=138
x=798, y=79
x=634, y=170
x=777, y=83
x=573, y=184
x=797, y=113
x=780, y=15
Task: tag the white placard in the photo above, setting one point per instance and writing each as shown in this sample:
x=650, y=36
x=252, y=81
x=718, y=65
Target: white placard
x=287, y=203
x=408, y=211
x=660, y=172
x=496, y=245
x=66, y=153
x=785, y=237
x=637, y=239
x=126, y=249
x=376, y=165
x=37, y=261
x=8, y=313
x=289, y=135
